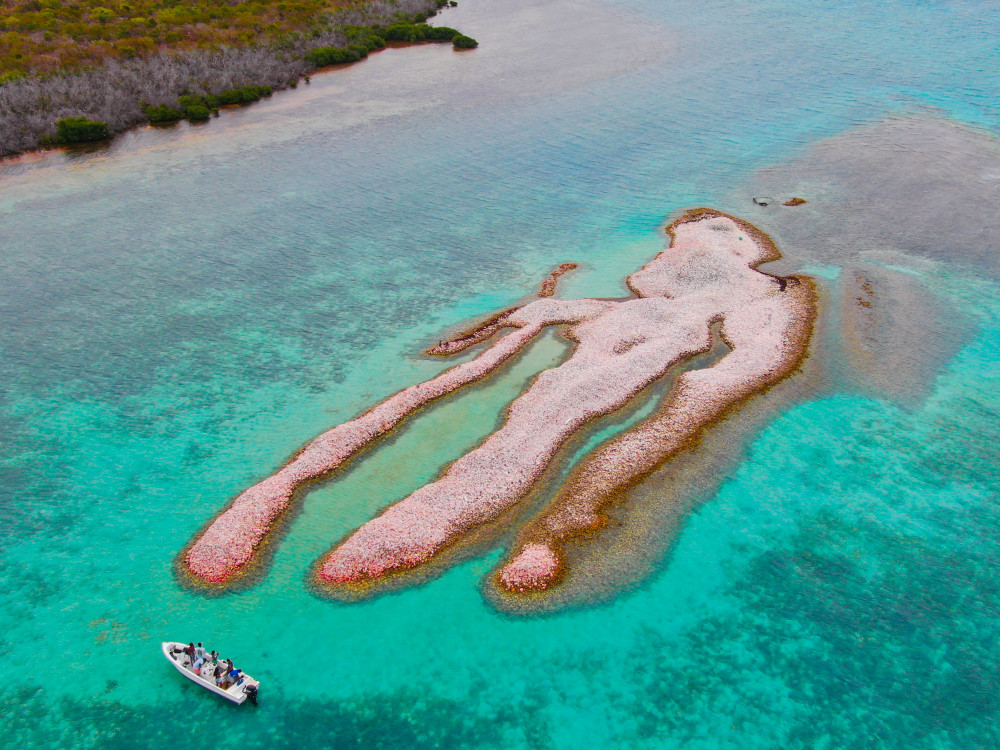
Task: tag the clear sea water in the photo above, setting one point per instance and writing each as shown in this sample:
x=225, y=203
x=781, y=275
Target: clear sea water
x=183, y=310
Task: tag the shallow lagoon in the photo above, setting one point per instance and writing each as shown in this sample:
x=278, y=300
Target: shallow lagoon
x=184, y=310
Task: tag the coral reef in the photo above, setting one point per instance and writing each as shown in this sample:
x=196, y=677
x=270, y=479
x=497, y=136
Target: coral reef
x=706, y=279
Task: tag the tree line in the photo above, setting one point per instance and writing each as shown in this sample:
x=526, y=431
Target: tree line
x=48, y=36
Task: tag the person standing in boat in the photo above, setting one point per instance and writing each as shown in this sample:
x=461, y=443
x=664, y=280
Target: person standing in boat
x=227, y=670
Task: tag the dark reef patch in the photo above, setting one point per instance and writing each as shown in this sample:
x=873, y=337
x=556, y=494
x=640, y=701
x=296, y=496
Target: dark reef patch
x=849, y=626
x=33, y=719
x=862, y=632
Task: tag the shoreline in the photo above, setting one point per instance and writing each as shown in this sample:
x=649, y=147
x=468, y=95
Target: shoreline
x=122, y=95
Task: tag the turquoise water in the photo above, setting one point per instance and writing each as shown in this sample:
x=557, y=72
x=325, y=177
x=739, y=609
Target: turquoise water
x=184, y=310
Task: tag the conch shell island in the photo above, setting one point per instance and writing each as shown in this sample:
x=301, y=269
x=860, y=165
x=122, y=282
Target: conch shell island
x=704, y=283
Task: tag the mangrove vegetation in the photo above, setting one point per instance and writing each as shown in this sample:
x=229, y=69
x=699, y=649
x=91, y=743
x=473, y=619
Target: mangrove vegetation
x=81, y=71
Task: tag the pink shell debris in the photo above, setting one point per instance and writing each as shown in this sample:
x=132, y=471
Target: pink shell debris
x=534, y=569
x=706, y=276
x=228, y=545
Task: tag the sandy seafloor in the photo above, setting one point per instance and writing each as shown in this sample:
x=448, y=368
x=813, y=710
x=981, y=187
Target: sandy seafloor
x=183, y=310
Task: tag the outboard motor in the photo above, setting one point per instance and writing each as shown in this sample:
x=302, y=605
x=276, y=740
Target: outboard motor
x=251, y=691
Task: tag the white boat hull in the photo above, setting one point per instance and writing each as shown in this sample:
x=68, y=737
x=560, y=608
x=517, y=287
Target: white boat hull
x=174, y=652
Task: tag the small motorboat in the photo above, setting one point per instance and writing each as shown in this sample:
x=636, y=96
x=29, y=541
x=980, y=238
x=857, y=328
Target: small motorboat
x=244, y=690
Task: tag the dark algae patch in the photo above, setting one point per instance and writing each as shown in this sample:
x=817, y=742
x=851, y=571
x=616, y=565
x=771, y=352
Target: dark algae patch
x=851, y=630
x=34, y=719
x=890, y=645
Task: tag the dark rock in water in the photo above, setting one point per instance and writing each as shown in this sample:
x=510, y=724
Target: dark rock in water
x=795, y=202
x=763, y=200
